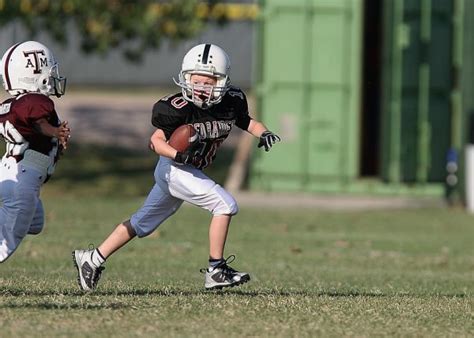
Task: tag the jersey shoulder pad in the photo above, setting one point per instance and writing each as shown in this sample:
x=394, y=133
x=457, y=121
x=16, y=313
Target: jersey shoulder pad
x=5, y=106
x=235, y=98
x=34, y=106
x=174, y=104
x=36, y=99
x=236, y=93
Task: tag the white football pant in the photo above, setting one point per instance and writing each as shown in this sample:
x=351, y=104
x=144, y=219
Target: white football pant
x=174, y=184
x=21, y=212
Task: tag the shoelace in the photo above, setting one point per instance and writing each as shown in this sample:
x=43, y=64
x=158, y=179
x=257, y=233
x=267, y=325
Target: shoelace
x=97, y=274
x=227, y=270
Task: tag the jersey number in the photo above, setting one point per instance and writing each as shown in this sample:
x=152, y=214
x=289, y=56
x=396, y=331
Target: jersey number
x=208, y=151
x=178, y=102
x=16, y=144
x=234, y=94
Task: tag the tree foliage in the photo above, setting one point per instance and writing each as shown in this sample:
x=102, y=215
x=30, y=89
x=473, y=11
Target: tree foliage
x=130, y=25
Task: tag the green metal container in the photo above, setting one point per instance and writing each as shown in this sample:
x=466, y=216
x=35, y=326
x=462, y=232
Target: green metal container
x=418, y=112
x=309, y=92
x=310, y=84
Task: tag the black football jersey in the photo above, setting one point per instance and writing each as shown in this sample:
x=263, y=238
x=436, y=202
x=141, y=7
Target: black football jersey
x=213, y=124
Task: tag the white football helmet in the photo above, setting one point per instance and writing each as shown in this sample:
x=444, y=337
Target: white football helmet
x=30, y=67
x=204, y=59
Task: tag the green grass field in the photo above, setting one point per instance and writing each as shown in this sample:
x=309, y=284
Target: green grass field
x=380, y=273
x=314, y=273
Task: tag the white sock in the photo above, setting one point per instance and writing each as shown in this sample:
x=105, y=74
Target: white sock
x=97, y=258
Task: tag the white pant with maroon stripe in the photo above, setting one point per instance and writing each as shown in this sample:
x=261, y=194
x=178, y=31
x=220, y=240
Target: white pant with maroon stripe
x=21, y=212
x=174, y=184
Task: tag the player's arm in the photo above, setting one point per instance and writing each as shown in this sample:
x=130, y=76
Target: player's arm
x=62, y=132
x=266, y=138
x=159, y=145
x=256, y=128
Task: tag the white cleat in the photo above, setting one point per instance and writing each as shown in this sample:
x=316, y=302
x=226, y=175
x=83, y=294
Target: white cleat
x=223, y=276
x=88, y=274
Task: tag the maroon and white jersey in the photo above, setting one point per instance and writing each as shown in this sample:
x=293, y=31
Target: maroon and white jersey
x=18, y=117
x=213, y=124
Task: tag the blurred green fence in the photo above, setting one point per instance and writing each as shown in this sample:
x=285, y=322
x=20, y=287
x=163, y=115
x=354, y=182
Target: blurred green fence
x=366, y=94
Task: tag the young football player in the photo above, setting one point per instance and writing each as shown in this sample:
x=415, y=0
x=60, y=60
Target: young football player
x=212, y=106
x=34, y=139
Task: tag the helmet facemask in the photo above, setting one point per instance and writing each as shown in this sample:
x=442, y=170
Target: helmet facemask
x=52, y=83
x=57, y=83
x=202, y=95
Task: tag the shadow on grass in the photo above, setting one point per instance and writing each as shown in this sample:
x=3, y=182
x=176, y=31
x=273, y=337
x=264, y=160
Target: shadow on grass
x=166, y=292
x=97, y=170
x=45, y=305
x=77, y=300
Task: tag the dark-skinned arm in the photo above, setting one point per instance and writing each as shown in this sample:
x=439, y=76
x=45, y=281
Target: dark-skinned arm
x=62, y=132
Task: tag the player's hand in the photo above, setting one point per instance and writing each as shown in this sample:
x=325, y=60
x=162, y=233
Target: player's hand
x=268, y=139
x=63, y=134
x=188, y=157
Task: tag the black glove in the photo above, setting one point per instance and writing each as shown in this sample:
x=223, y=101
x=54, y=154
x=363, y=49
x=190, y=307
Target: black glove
x=188, y=157
x=268, y=139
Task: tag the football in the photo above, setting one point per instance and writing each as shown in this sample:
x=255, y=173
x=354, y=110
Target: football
x=182, y=137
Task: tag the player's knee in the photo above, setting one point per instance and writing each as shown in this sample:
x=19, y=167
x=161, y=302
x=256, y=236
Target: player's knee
x=143, y=232
x=37, y=224
x=233, y=207
x=226, y=209
x=227, y=205
x=35, y=230
x=141, y=229
x=36, y=227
